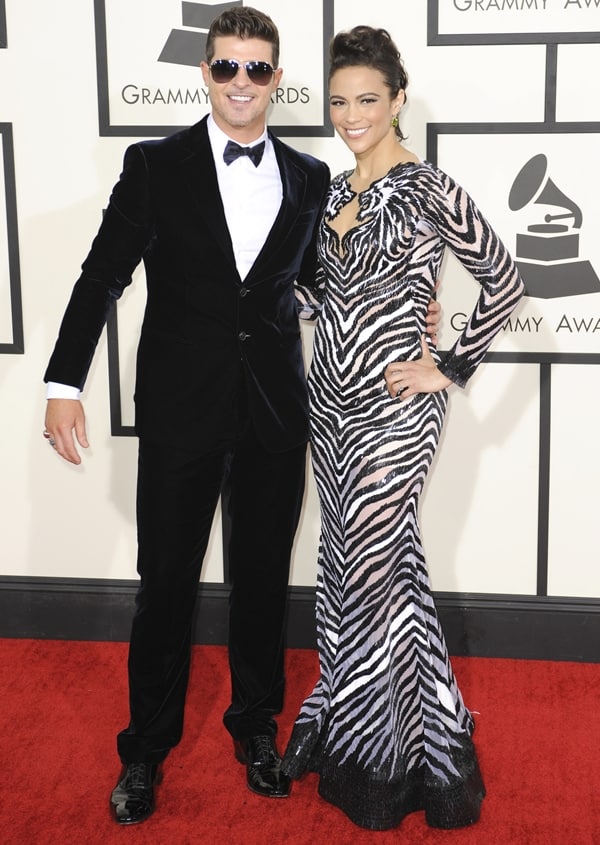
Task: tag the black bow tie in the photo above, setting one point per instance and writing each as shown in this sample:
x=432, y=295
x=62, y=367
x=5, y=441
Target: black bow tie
x=233, y=151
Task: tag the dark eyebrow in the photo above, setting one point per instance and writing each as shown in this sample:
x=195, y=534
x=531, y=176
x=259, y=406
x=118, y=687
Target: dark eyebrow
x=358, y=96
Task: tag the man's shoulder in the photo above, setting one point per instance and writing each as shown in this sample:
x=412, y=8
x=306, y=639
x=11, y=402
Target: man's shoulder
x=175, y=146
x=305, y=161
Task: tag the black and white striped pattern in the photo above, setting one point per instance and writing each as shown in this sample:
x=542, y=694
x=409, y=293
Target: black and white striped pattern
x=386, y=725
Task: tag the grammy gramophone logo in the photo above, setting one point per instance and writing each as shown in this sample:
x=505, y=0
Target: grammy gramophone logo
x=548, y=253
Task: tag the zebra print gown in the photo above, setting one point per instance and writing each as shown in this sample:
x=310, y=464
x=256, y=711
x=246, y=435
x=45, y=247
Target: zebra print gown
x=386, y=726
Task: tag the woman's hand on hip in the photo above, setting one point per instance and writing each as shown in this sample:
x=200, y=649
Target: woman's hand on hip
x=405, y=378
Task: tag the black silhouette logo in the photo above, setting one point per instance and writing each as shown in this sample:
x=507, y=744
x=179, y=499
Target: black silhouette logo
x=548, y=254
x=188, y=46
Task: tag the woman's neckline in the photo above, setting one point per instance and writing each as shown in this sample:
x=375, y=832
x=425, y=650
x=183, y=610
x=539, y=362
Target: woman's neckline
x=346, y=175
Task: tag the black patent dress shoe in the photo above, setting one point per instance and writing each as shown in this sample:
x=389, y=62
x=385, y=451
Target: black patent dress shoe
x=132, y=798
x=263, y=766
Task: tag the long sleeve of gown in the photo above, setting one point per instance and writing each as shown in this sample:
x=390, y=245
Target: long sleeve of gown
x=473, y=241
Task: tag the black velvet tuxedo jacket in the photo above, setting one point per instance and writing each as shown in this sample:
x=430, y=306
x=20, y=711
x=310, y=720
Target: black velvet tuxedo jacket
x=205, y=333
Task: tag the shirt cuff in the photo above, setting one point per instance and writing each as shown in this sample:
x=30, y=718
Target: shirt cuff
x=54, y=390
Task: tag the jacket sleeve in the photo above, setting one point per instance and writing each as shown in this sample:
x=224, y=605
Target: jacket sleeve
x=309, y=298
x=117, y=249
x=310, y=285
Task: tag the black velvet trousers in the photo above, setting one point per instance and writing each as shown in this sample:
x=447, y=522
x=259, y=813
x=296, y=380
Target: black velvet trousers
x=178, y=493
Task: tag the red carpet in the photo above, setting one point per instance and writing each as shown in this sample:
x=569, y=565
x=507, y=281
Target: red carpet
x=538, y=737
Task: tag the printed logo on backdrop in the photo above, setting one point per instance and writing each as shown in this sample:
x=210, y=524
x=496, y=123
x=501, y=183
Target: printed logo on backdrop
x=548, y=252
x=537, y=193
x=11, y=317
x=545, y=209
x=3, y=34
x=149, y=79
x=512, y=21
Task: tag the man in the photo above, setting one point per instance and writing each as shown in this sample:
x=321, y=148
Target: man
x=220, y=391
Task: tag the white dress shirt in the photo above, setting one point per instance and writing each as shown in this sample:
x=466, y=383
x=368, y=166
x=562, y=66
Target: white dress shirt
x=251, y=198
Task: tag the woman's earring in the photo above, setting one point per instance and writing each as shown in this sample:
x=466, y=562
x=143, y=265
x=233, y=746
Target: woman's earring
x=395, y=121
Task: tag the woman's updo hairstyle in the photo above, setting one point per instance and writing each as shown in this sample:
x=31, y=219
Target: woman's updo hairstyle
x=364, y=46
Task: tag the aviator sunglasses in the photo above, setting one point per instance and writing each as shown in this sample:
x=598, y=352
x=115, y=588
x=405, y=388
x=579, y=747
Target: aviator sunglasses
x=224, y=70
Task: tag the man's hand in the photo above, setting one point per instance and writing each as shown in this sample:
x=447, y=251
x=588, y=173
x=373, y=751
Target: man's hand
x=432, y=319
x=405, y=378
x=63, y=417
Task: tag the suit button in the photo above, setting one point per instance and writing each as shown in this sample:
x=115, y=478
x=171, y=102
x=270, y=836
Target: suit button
x=244, y=292
x=243, y=336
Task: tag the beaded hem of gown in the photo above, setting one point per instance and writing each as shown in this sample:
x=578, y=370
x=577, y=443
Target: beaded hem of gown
x=378, y=801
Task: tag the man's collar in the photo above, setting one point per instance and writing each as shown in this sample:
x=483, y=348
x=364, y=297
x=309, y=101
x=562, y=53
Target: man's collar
x=219, y=139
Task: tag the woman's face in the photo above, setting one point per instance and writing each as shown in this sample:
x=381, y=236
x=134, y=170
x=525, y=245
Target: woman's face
x=361, y=109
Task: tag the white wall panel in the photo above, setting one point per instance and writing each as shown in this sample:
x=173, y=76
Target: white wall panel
x=574, y=549
x=479, y=514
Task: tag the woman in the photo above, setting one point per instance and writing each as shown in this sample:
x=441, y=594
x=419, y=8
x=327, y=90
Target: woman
x=386, y=726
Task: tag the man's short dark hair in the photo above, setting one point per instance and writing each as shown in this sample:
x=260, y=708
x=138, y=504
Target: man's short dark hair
x=243, y=22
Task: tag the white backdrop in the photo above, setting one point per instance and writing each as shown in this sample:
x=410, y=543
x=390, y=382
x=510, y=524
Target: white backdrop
x=480, y=509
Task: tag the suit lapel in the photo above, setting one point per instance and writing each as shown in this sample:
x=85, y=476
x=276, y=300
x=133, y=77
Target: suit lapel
x=293, y=182
x=200, y=175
